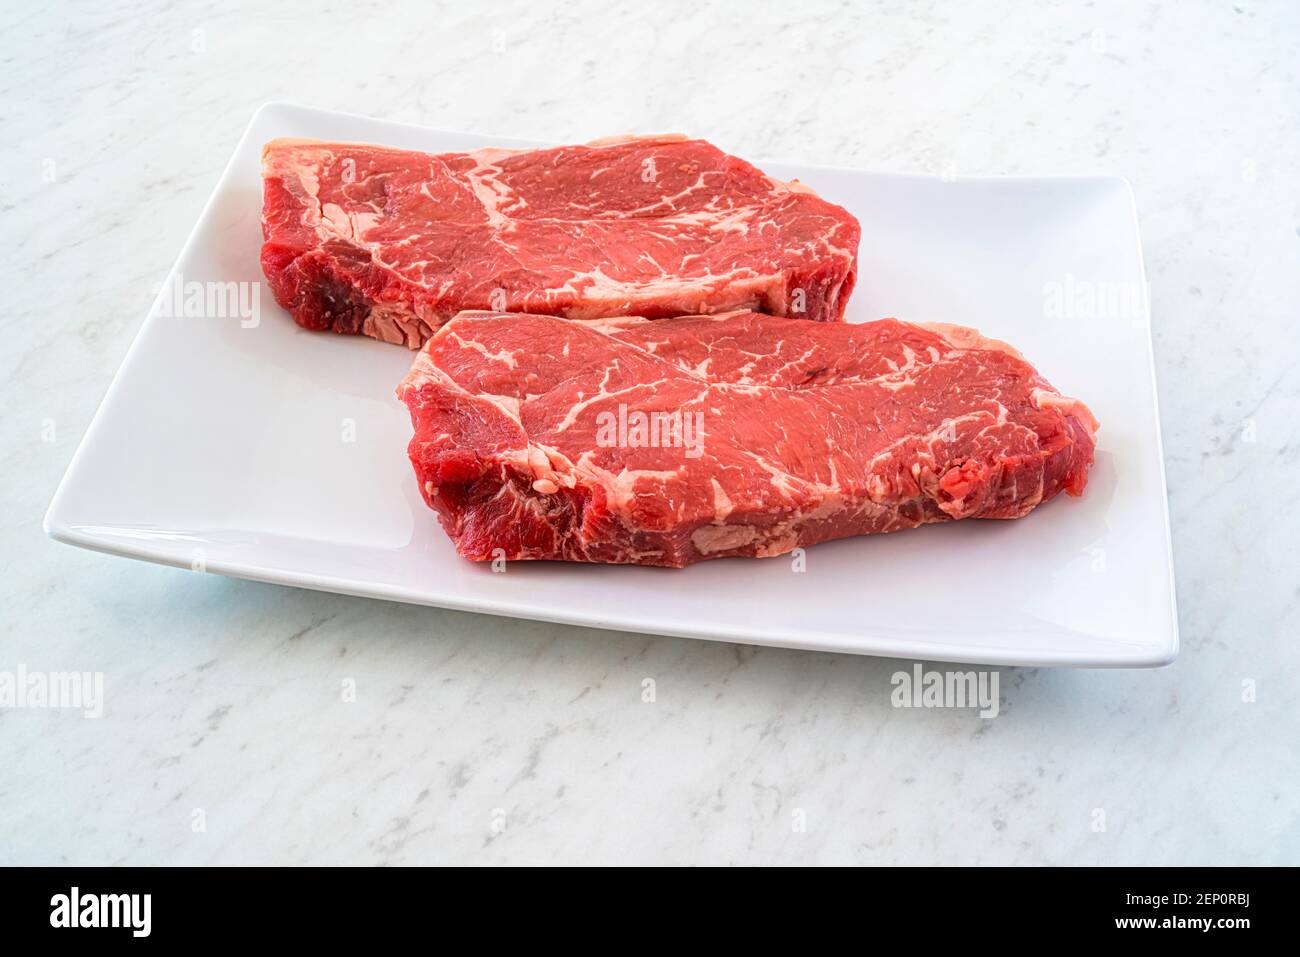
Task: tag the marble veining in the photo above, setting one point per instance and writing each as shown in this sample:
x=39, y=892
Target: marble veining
x=245, y=723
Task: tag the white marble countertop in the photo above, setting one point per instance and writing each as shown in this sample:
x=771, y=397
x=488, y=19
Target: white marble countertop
x=482, y=740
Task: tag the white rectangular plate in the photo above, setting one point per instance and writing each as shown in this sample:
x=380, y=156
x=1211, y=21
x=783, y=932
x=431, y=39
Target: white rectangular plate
x=272, y=453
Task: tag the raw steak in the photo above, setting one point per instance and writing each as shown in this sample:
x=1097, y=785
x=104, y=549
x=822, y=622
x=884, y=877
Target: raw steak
x=669, y=442
x=391, y=244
